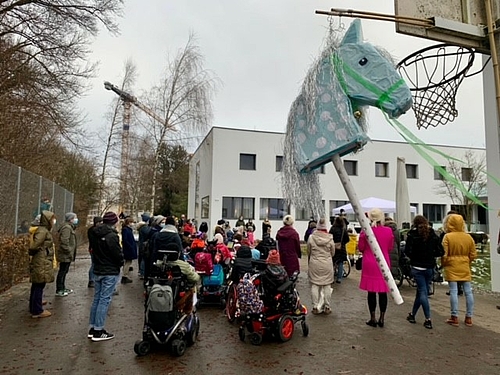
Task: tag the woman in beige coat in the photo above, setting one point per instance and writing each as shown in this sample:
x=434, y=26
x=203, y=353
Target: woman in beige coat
x=320, y=249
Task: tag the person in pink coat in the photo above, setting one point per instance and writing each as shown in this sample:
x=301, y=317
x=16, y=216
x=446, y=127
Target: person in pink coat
x=371, y=277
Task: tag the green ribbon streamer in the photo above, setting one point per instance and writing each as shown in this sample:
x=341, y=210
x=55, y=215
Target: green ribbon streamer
x=420, y=147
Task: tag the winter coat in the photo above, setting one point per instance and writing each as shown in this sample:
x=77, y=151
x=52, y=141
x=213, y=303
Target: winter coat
x=341, y=236
x=108, y=255
x=42, y=251
x=167, y=235
x=371, y=276
x=423, y=253
x=352, y=245
x=265, y=226
x=289, y=248
x=143, y=237
x=459, y=250
x=395, y=251
x=266, y=245
x=128, y=243
x=250, y=225
x=240, y=223
x=242, y=263
x=320, y=249
x=66, y=251
x=186, y=269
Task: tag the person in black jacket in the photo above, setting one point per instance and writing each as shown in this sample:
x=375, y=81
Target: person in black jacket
x=423, y=246
x=108, y=259
x=267, y=244
x=168, y=234
x=340, y=238
x=242, y=263
x=93, y=242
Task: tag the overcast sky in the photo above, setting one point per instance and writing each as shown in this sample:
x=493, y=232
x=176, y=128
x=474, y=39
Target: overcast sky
x=261, y=51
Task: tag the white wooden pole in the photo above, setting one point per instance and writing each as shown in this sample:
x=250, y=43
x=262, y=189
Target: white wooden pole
x=365, y=225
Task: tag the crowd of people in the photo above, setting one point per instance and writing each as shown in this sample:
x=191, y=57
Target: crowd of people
x=112, y=257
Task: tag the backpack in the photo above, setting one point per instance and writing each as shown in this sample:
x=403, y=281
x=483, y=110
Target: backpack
x=203, y=263
x=160, y=306
x=276, y=274
x=248, y=297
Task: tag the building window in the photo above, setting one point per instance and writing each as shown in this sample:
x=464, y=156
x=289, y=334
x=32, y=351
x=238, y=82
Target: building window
x=466, y=174
x=279, y=163
x=248, y=162
x=437, y=175
x=205, y=207
x=434, y=212
x=411, y=170
x=273, y=209
x=234, y=207
x=303, y=214
x=381, y=169
x=416, y=207
x=351, y=166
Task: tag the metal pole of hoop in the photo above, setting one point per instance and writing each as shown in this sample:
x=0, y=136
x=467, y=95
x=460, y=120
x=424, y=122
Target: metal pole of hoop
x=365, y=225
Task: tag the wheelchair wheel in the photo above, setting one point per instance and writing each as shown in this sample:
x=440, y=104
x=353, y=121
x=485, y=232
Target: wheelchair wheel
x=305, y=328
x=286, y=328
x=241, y=333
x=401, y=278
x=178, y=347
x=256, y=338
x=231, y=299
x=141, y=347
x=347, y=268
x=195, y=330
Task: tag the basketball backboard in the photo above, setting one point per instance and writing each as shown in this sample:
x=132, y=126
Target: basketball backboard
x=459, y=22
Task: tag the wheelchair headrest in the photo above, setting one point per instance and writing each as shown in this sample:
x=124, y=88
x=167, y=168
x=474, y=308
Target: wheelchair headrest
x=171, y=255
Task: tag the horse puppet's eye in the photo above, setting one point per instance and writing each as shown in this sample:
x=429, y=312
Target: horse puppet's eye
x=363, y=61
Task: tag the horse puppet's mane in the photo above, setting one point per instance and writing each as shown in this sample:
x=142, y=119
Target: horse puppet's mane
x=300, y=188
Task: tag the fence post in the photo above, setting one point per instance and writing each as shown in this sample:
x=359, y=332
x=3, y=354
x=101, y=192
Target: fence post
x=18, y=197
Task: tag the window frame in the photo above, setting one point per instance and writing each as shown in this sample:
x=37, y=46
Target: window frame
x=239, y=206
x=243, y=162
x=268, y=204
x=415, y=170
x=351, y=171
x=386, y=169
x=279, y=163
x=205, y=207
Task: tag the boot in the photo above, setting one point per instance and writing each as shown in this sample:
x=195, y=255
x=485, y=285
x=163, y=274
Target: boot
x=43, y=314
x=453, y=321
x=468, y=321
x=380, y=321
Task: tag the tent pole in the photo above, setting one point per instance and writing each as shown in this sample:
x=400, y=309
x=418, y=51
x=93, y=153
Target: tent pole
x=365, y=225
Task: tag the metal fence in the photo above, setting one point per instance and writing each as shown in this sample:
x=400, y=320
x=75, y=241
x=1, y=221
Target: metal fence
x=24, y=194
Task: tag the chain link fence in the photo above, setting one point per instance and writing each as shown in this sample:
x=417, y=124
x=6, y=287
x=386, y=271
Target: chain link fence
x=25, y=195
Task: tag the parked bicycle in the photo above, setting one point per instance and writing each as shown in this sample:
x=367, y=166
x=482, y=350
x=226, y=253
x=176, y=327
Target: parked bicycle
x=347, y=269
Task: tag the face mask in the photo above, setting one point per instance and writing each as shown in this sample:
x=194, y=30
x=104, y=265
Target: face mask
x=75, y=221
x=162, y=225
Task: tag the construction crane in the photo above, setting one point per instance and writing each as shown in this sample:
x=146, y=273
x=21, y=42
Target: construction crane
x=128, y=100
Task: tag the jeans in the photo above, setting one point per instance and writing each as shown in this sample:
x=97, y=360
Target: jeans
x=469, y=298
x=36, y=296
x=61, y=276
x=142, y=266
x=340, y=270
x=103, y=293
x=423, y=278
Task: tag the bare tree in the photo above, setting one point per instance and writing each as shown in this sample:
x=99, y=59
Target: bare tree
x=183, y=98
x=468, y=181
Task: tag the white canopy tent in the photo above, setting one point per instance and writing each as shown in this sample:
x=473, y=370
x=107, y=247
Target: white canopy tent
x=387, y=206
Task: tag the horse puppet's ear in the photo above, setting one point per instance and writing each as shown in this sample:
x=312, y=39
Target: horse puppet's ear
x=354, y=34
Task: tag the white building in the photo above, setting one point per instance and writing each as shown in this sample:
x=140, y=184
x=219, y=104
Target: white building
x=237, y=172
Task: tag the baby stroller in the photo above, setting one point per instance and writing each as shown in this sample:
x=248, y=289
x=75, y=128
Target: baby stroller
x=265, y=310
x=169, y=318
x=210, y=266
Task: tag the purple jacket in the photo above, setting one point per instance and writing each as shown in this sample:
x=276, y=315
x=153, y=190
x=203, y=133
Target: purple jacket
x=289, y=248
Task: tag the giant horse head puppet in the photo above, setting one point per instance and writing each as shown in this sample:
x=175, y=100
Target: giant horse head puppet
x=328, y=117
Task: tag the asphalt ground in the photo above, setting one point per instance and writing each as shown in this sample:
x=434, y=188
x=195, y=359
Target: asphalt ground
x=340, y=343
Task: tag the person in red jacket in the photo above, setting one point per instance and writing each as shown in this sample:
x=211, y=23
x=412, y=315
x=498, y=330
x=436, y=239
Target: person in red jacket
x=289, y=246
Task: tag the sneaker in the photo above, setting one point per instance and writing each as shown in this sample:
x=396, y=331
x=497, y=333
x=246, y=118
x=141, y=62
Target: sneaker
x=91, y=333
x=102, y=336
x=468, y=321
x=43, y=314
x=91, y=284
x=69, y=291
x=428, y=324
x=453, y=321
x=315, y=311
x=411, y=318
x=328, y=311
x=61, y=293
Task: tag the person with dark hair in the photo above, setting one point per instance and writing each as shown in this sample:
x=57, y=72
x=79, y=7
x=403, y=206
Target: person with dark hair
x=311, y=226
x=344, y=219
x=108, y=259
x=250, y=224
x=422, y=247
x=240, y=222
x=266, y=227
x=168, y=234
x=242, y=263
x=129, y=248
x=340, y=238
x=157, y=224
x=143, y=229
x=92, y=243
x=266, y=245
x=372, y=279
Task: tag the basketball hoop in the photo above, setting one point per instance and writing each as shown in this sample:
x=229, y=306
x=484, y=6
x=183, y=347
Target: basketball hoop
x=434, y=75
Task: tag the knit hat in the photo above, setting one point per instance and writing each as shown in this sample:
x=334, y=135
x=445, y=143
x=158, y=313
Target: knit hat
x=97, y=220
x=273, y=257
x=376, y=215
x=110, y=218
x=69, y=216
x=219, y=238
x=288, y=220
x=321, y=224
x=145, y=217
x=157, y=220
